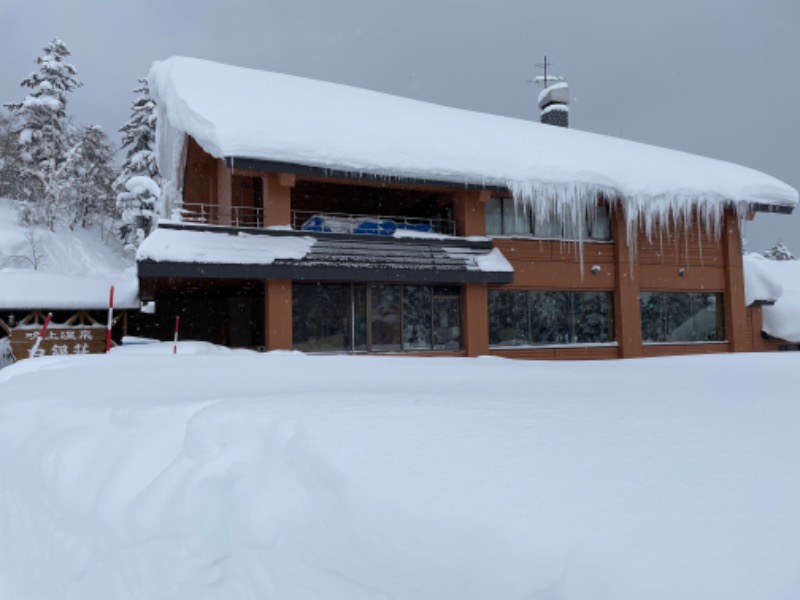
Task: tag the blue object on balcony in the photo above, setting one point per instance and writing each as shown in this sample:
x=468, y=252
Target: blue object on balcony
x=375, y=227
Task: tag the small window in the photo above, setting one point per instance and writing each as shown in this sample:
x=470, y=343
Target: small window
x=682, y=317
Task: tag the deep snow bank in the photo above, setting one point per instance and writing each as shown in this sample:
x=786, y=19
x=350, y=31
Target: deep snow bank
x=243, y=475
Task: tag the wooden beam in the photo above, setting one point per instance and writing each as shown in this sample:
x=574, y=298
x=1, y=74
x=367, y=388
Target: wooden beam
x=627, y=311
x=735, y=310
x=475, y=301
x=224, y=181
x=278, y=314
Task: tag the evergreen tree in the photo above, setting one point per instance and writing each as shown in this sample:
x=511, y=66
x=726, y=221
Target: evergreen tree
x=138, y=181
x=90, y=196
x=45, y=140
x=779, y=251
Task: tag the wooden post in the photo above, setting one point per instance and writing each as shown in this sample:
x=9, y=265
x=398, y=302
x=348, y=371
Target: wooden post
x=278, y=314
x=627, y=312
x=469, y=209
x=224, y=179
x=735, y=310
x=476, y=318
x=278, y=198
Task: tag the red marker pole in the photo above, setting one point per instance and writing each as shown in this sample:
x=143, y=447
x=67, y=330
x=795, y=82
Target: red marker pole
x=40, y=337
x=110, y=319
x=175, y=345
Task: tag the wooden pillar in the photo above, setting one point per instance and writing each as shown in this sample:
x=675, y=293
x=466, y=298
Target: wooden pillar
x=278, y=198
x=476, y=318
x=627, y=312
x=278, y=317
x=469, y=210
x=757, y=312
x=224, y=179
x=735, y=310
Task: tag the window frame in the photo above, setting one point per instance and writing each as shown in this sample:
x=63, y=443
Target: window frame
x=499, y=207
x=568, y=298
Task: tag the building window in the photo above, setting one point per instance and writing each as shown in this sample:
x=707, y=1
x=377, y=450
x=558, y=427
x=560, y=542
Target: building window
x=531, y=318
x=375, y=317
x=504, y=216
x=682, y=317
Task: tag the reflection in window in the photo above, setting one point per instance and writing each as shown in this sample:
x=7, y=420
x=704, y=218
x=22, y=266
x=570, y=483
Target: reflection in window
x=531, y=318
x=682, y=317
x=375, y=318
x=504, y=216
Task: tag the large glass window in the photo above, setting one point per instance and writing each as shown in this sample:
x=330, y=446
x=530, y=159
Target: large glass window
x=682, y=317
x=375, y=317
x=530, y=318
x=504, y=216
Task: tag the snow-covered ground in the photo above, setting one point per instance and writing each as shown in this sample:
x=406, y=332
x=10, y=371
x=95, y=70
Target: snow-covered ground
x=69, y=269
x=228, y=474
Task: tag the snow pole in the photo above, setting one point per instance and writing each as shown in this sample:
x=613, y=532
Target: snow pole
x=110, y=319
x=40, y=337
x=175, y=344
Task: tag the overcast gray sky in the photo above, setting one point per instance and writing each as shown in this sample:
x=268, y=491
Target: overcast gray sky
x=714, y=77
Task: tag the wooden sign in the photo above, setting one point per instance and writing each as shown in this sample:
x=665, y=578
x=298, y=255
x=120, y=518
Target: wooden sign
x=59, y=340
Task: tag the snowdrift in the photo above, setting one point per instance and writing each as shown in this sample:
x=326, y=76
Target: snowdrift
x=239, y=475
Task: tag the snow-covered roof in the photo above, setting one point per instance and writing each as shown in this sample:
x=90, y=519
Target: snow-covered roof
x=275, y=252
x=28, y=289
x=171, y=245
x=778, y=282
x=243, y=113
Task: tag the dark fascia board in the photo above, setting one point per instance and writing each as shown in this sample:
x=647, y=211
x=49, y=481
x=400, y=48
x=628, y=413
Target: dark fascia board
x=450, y=242
x=771, y=208
x=153, y=269
x=273, y=166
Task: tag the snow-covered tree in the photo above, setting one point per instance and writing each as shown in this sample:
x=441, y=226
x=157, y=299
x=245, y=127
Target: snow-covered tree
x=45, y=136
x=90, y=195
x=138, y=182
x=779, y=251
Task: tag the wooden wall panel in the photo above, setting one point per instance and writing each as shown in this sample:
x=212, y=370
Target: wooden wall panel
x=653, y=350
x=200, y=176
x=547, y=264
x=668, y=278
x=572, y=353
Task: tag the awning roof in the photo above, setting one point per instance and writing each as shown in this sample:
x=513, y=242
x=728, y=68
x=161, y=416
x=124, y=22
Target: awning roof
x=207, y=252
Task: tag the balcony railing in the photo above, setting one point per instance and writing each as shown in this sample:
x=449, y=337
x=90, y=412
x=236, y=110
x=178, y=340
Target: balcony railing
x=211, y=214
x=324, y=222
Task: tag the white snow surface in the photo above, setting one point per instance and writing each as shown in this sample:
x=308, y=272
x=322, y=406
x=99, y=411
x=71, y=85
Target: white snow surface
x=411, y=478
x=238, y=112
x=76, y=268
x=775, y=281
x=168, y=245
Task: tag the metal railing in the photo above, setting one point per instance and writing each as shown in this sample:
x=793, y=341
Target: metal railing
x=308, y=220
x=211, y=214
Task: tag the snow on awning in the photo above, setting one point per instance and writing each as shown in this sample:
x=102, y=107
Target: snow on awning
x=35, y=290
x=191, y=251
x=776, y=282
x=233, y=112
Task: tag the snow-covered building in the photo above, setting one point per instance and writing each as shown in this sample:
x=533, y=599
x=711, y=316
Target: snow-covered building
x=315, y=216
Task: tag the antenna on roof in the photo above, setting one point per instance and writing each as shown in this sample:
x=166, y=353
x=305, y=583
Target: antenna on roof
x=545, y=80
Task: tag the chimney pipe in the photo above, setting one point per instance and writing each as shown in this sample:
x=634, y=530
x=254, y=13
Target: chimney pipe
x=554, y=105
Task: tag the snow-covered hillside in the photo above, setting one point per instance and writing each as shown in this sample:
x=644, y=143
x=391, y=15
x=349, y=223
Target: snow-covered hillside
x=217, y=474
x=67, y=269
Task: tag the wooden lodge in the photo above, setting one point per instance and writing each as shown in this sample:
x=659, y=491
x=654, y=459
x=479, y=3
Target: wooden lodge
x=327, y=253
